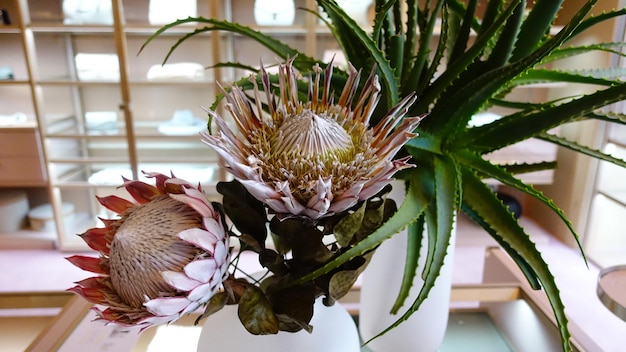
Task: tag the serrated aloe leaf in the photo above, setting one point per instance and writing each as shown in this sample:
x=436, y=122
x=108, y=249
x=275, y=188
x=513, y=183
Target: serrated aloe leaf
x=478, y=164
x=412, y=206
x=584, y=77
x=503, y=49
x=581, y=149
x=611, y=117
x=535, y=27
x=444, y=82
x=563, y=53
x=596, y=19
x=440, y=226
x=492, y=10
x=425, y=38
x=460, y=44
x=526, y=269
x=507, y=131
x=282, y=50
x=411, y=31
x=415, y=233
x=359, y=48
x=459, y=8
x=464, y=103
x=523, y=168
x=479, y=197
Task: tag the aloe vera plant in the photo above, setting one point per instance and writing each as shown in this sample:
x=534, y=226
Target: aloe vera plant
x=475, y=64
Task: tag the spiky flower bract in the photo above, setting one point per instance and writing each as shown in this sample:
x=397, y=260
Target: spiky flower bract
x=311, y=158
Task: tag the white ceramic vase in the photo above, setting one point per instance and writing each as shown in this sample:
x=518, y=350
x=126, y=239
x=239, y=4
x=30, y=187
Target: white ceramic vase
x=334, y=330
x=425, y=329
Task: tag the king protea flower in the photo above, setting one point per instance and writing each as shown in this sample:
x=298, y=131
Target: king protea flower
x=312, y=158
x=162, y=258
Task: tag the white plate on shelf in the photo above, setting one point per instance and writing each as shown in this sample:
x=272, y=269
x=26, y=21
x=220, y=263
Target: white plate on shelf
x=182, y=123
x=18, y=117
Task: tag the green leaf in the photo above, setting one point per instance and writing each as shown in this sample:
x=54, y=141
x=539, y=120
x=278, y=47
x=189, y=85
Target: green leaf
x=450, y=114
x=523, y=168
x=503, y=49
x=481, y=199
x=460, y=44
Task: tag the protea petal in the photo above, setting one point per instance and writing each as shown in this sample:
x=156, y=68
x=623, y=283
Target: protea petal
x=91, y=264
x=140, y=191
x=115, y=204
x=92, y=295
x=201, y=270
x=180, y=281
x=167, y=306
x=200, y=238
x=97, y=239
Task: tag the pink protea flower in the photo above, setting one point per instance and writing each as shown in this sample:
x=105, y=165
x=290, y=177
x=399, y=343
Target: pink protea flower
x=162, y=258
x=312, y=158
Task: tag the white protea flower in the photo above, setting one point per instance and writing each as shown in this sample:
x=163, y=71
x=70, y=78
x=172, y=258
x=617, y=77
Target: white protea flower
x=312, y=158
x=162, y=258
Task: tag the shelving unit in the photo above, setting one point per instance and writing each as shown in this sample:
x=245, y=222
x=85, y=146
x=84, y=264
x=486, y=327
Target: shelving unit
x=98, y=120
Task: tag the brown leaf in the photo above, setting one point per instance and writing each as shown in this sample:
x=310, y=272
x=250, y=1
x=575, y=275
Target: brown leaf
x=255, y=312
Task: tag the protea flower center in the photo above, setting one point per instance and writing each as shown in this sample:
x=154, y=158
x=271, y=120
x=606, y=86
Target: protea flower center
x=310, y=135
x=146, y=244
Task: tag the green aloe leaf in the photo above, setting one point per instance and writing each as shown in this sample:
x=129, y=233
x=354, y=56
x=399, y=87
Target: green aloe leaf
x=481, y=199
x=518, y=127
x=415, y=236
x=359, y=48
x=611, y=117
x=462, y=38
x=477, y=163
x=282, y=50
x=455, y=92
x=535, y=27
x=596, y=19
x=584, y=77
x=506, y=41
x=523, y=168
x=581, y=149
x=564, y=53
